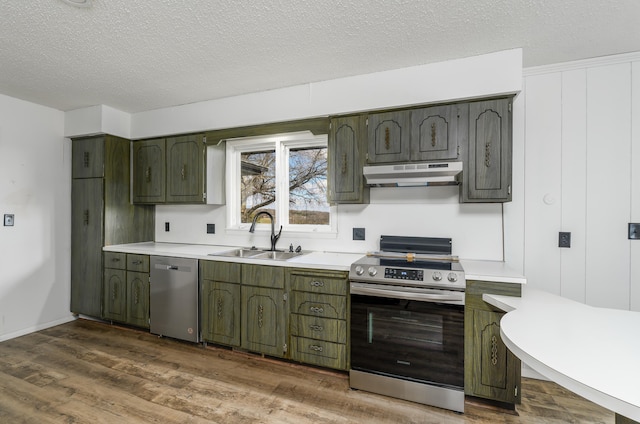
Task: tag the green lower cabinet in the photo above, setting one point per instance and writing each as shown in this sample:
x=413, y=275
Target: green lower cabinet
x=115, y=295
x=264, y=320
x=491, y=370
x=138, y=299
x=221, y=312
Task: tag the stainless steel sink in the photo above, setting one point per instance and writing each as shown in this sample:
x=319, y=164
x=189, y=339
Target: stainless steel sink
x=257, y=254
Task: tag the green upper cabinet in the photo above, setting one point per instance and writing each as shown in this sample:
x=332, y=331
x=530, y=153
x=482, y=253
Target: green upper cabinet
x=171, y=170
x=488, y=157
x=88, y=158
x=347, y=149
x=149, y=171
x=389, y=137
x=434, y=133
x=186, y=157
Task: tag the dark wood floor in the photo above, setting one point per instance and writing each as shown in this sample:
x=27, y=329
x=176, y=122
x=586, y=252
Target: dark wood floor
x=89, y=372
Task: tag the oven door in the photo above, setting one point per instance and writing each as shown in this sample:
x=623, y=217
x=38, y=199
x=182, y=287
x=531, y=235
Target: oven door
x=415, y=334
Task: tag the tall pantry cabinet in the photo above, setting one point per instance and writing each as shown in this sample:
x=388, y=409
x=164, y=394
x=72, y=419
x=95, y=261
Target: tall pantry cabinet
x=101, y=214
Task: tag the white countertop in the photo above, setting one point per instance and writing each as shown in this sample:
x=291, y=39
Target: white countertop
x=325, y=260
x=594, y=352
x=496, y=271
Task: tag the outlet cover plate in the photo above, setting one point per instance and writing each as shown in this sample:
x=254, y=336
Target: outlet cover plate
x=564, y=239
x=358, y=233
x=8, y=220
x=211, y=228
x=634, y=231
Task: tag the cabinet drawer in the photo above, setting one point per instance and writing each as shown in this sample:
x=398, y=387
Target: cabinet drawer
x=319, y=305
x=330, y=283
x=115, y=260
x=226, y=272
x=138, y=263
x=331, y=330
x=263, y=276
x=318, y=352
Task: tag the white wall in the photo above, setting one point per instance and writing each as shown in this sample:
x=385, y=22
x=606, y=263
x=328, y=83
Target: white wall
x=582, y=146
x=35, y=175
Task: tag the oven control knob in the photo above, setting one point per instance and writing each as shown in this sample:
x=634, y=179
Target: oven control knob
x=372, y=271
x=452, y=277
x=436, y=276
x=359, y=270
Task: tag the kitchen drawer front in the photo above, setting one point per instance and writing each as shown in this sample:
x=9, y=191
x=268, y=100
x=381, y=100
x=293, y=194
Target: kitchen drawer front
x=263, y=276
x=319, y=305
x=226, y=272
x=322, y=353
x=138, y=263
x=115, y=260
x=330, y=283
x=331, y=330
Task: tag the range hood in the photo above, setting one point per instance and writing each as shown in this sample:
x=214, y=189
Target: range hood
x=412, y=174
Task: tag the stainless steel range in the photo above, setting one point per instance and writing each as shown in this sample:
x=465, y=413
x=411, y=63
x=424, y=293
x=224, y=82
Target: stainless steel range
x=407, y=322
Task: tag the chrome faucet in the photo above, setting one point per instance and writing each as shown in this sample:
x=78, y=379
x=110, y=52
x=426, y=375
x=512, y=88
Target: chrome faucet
x=274, y=237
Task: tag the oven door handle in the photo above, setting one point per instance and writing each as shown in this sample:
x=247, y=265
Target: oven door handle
x=451, y=297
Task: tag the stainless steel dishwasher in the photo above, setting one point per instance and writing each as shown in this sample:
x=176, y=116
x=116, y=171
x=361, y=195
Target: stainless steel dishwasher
x=174, y=298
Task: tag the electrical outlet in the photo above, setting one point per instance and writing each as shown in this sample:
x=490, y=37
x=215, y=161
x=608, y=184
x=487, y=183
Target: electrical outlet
x=634, y=231
x=564, y=239
x=211, y=228
x=166, y=226
x=8, y=220
x=358, y=233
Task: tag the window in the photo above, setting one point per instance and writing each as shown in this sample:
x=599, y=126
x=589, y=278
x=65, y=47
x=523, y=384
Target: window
x=285, y=175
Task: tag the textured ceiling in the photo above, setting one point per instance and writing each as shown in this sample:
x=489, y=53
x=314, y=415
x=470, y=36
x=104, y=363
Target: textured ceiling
x=137, y=55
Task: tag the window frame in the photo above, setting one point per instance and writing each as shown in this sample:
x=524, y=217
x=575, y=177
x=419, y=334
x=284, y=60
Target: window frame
x=281, y=144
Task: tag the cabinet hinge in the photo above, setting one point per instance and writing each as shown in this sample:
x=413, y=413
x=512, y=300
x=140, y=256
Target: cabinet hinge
x=204, y=139
x=284, y=348
x=366, y=122
x=458, y=151
x=285, y=297
x=509, y=189
x=515, y=393
x=509, y=106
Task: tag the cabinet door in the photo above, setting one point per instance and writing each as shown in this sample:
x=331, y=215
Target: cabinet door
x=149, y=171
x=488, y=168
x=88, y=157
x=86, y=246
x=346, y=151
x=495, y=371
x=434, y=133
x=263, y=320
x=389, y=137
x=138, y=299
x=115, y=295
x=221, y=312
x=186, y=169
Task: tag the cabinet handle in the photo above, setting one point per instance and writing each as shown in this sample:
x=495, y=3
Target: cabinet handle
x=433, y=134
x=487, y=154
x=494, y=350
x=147, y=174
x=113, y=291
x=86, y=160
x=85, y=218
x=183, y=172
x=220, y=305
x=260, y=316
x=115, y=259
x=344, y=163
x=136, y=295
x=387, y=138
x=137, y=262
x=316, y=327
x=316, y=348
x=316, y=310
x=316, y=283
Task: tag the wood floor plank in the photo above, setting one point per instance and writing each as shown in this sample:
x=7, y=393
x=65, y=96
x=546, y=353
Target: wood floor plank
x=91, y=372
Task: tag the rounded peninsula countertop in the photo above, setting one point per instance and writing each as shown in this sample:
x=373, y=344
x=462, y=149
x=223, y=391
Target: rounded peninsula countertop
x=594, y=352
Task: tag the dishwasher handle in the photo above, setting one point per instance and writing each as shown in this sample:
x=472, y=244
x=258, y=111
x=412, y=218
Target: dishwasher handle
x=166, y=267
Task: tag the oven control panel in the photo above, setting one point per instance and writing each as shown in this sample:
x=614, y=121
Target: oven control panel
x=404, y=274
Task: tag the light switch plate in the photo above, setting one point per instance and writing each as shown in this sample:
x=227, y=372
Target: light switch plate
x=358, y=233
x=8, y=220
x=211, y=228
